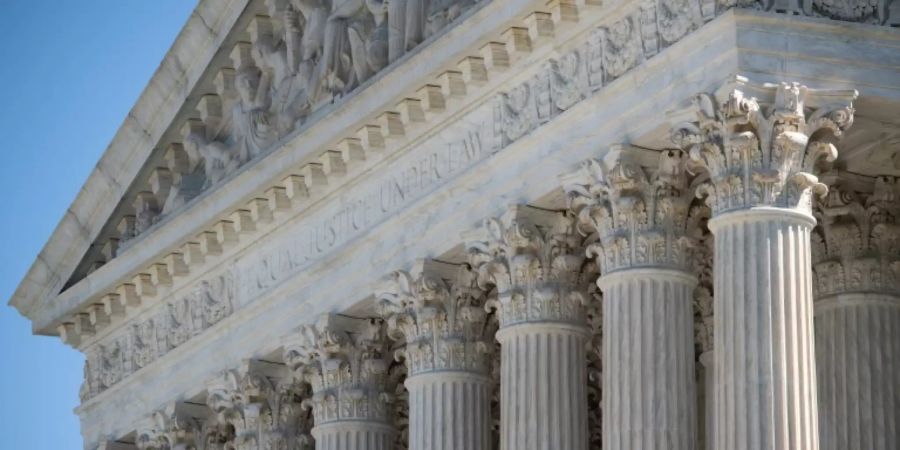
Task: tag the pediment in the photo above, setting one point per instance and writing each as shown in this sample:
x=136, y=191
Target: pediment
x=254, y=80
x=240, y=79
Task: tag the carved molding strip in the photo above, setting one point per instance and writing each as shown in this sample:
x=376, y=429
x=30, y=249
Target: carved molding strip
x=146, y=340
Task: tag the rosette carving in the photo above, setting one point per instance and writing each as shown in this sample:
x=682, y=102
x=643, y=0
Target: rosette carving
x=856, y=247
x=637, y=215
x=346, y=362
x=441, y=320
x=764, y=152
x=534, y=259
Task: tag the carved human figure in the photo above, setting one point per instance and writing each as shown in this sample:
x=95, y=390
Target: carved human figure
x=355, y=44
x=254, y=129
x=517, y=112
x=567, y=80
x=146, y=212
x=144, y=343
x=179, y=327
x=219, y=160
x=290, y=60
x=406, y=26
x=211, y=302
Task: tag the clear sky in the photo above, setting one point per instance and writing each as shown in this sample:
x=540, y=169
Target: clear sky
x=69, y=73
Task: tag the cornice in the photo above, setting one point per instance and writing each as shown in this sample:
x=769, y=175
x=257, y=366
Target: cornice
x=147, y=121
x=312, y=160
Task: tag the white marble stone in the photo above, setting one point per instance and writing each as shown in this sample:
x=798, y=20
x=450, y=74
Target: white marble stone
x=439, y=315
x=639, y=205
x=534, y=258
x=309, y=158
x=761, y=161
x=857, y=315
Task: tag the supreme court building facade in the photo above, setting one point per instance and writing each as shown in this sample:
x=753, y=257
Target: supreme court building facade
x=495, y=224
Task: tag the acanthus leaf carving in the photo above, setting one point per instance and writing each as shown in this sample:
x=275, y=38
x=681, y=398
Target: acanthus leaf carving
x=758, y=155
x=533, y=259
x=170, y=429
x=440, y=320
x=638, y=216
x=857, y=242
x=261, y=405
x=346, y=361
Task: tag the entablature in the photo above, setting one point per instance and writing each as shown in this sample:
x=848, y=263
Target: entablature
x=379, y=110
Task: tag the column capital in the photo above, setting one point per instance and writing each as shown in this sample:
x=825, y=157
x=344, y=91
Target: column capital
x=346, y=361
x=636, y=204
x=762, y=145
x=856, y=247
x=438, y=310
x=262, y=403
x=535, y=259
x=178, y=425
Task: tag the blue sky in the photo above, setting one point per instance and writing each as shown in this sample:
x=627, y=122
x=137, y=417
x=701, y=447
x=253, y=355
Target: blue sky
x=69, y=73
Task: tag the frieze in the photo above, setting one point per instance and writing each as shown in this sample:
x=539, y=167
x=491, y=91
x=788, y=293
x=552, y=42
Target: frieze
x=432, y=164
x=143, y=342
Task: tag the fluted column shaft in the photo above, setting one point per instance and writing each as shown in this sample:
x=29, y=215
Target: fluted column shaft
x=765, y=390
x=543, y=387
x=449, y=411
x=648, y=360
x=858, y=363
x=354, y=435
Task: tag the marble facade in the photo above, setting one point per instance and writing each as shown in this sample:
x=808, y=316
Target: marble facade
x=495, y=224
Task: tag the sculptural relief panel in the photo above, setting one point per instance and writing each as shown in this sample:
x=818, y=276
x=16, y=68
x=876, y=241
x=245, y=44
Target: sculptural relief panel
x=143, y=342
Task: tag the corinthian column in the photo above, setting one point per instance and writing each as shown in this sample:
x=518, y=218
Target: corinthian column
x=638, y=205
x=438, y=312
x=760, y=162
x=856, y=256
x=534, y=260
x=345, y=361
